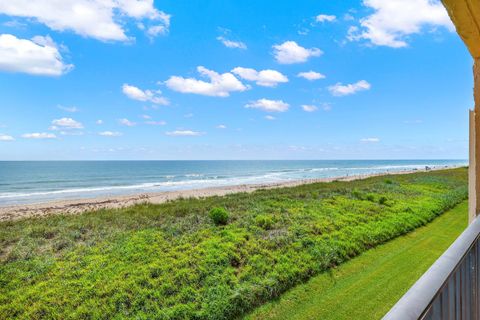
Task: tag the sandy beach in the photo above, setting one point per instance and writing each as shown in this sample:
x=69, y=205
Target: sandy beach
x=78, y=206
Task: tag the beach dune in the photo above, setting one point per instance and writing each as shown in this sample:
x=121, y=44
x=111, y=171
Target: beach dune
x=78, y=206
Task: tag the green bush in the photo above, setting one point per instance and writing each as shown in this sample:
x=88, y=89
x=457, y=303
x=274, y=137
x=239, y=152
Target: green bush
x=264, y=222
x=383, y=200
x=219, y=216
x=357, y=194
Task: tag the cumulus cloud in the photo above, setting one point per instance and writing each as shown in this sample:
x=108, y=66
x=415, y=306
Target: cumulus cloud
x=270, y=118
x=99, y=19
x=220, y=85
x=269, y=105
x=138, y=94
x=325, y=18
x=221, y=126
x=232, y=44
x=66, y=123
x=39, y=56
x=68, y=109
x=184, y=133
x=265, y=78
x=71, y=133
x=345, y=90
x=157, y=30
x=393, y=21
x=39, y=135
x=5, y=137
x=309, y=108
x=126, y=122
x=290, y=52
x=99, y=122
x=311, y=75
x=110, y=134
x=326, y=106
x=156, y=123
x=370, y=140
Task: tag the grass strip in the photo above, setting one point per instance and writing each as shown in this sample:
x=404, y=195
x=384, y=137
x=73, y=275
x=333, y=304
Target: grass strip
x=369, y=285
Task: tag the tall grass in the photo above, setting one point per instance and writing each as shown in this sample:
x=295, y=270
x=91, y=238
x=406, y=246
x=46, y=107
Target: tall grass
x=171, y=261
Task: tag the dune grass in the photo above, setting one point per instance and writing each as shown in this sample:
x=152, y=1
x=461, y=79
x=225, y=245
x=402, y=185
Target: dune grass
x=171, y=261
x=369, y=285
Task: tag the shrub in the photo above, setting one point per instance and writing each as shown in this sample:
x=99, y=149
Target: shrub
x=357, y=194
x=382, y=200
x=371, y=197
x=219, y=216
x=264, y=222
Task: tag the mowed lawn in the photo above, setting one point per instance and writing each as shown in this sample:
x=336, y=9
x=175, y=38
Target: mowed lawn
x=172, y=261
x=369, y=285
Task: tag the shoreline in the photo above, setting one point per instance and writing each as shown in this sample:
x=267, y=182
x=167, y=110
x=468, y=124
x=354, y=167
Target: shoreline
x=78, y=206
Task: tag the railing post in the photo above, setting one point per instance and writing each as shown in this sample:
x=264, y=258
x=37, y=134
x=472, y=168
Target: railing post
x=472, y=165
x=474, y=145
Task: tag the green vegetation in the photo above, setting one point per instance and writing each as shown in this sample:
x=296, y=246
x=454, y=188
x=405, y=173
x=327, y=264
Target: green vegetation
x=170, y=261
x=219, y=216
x=369, y=285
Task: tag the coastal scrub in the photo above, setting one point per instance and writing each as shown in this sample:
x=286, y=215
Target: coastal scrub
x=169, y=261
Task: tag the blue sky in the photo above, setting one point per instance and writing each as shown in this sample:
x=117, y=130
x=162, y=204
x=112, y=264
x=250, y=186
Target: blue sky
x=127, y=79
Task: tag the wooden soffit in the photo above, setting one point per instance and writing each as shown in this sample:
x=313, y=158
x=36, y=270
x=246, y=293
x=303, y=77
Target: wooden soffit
x=465, y=15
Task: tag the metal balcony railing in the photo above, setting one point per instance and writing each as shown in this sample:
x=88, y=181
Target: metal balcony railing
x=450, y=288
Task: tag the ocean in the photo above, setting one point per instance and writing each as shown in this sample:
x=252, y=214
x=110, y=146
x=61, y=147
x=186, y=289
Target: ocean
x=23, y=182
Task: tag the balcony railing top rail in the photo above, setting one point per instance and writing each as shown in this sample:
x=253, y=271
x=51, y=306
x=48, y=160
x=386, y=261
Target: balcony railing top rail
x=449, y=289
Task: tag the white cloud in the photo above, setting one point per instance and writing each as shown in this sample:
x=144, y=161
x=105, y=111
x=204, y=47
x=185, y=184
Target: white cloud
x=110, y=134
x=68, y=109
x=265, y=78
x=156, y=123
x=14, y=24
x=221, y=126
x=100, y=19
x=71, y=133
x=39, y=56
x=309, y=108
x=220, y=85
x=126, y=122
x=325, y=18
x=184, y=133
x=290, y=52
x=345, y=90
x=232, y=44
x=157, y=30
x=269, y=105
x=348, y=17
x=4, y=137
x=37, y=135
x=146, y=116
x=415, y=121
x=66, y=123
x=270, y=118
x=394, y=20
x=326, y=106
x=311, y=75
x=370, y=140
x=144, y=95
x=99, y=122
